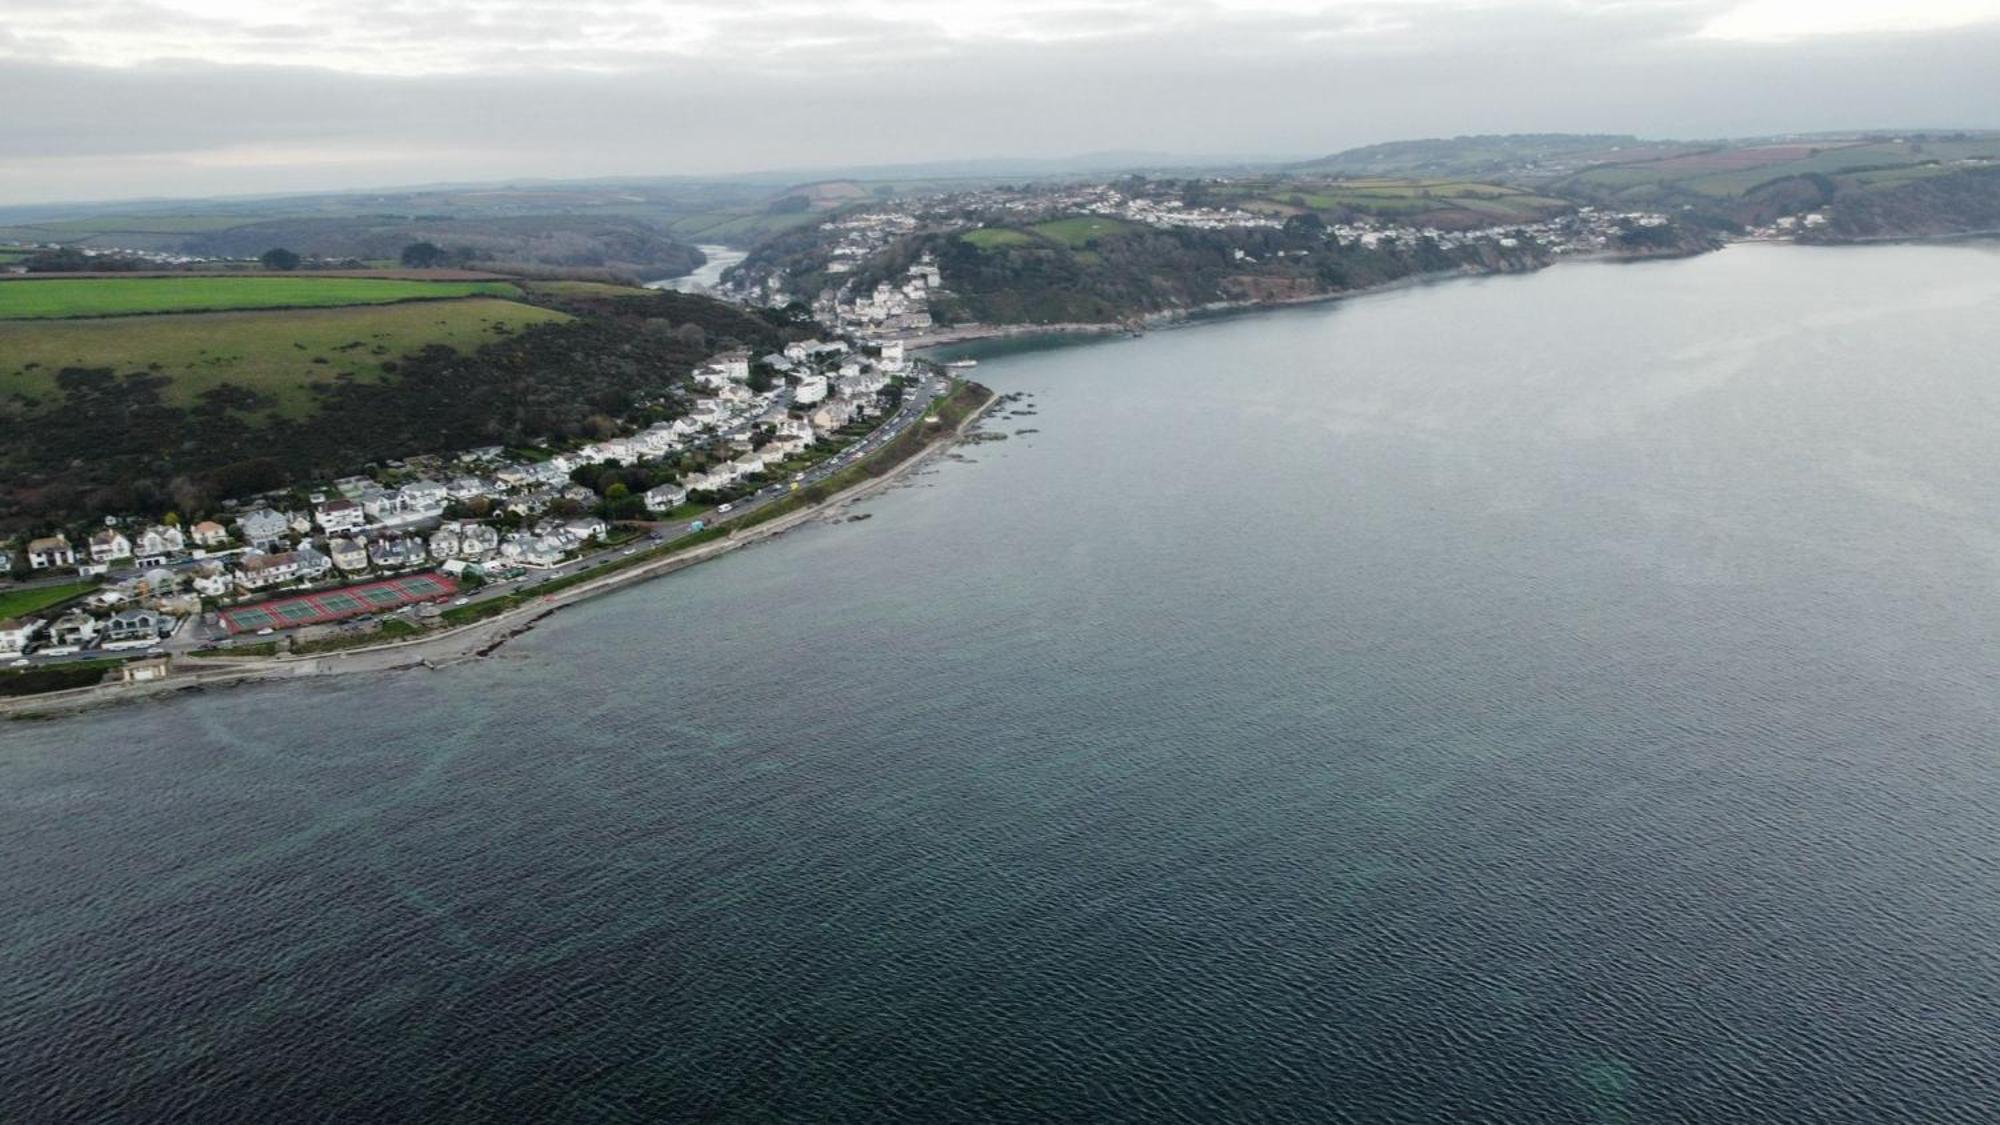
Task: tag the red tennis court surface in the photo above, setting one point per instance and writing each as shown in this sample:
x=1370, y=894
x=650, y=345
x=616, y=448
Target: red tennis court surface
x=332, y=605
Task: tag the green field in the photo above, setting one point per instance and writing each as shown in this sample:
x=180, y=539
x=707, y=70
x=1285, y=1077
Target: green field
x=1081, y=230
x=19, y=603
x=42, y=298
x=1728, y=173
x=275, y=353
x=1453, y=201
x=987, y=238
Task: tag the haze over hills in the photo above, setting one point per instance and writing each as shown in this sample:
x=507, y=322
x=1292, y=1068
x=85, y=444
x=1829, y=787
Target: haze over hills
x=1013, y=243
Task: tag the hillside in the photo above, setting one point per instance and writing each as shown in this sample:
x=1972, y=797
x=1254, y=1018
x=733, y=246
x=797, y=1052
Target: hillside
x=1441, y=203
x=1753, y=183
x=1056, y=272
x=616, y=242
x=1476, y=156
x=1925, y=207
x=58, y=296
x=154, y=412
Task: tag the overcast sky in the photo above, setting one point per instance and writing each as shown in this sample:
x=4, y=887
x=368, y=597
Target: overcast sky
x=108, y=99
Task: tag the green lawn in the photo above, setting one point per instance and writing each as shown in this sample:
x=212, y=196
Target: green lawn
x=273, y=352
x=1080, y=230
x=986, y=238
x=16, y=603
x=38, y=298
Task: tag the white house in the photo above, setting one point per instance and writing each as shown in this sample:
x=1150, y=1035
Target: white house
x=52, y=551
x=733, y=365
x=208, y=533
x=137, y=625
x=259, y=572
x=210, y=580
x=831, y=416
x=17, y=633
x=350, y=555
x=108, y=545
x=532, y=550
x=397, y=554
x=810, y=390
x=159, y=541
x=477, y=540
x=263, y=526
x=424, y=495
x=74, y=629
x=444, y=543
x=666, y=497
x=784, y=445
x=337, y=516
x=382, y=504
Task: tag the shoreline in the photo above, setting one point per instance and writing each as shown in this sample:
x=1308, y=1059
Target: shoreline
x=1180, y=318
x=456, y=644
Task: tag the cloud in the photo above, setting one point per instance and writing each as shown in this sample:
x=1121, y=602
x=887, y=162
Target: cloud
x=215, y=96
x=1779, y=20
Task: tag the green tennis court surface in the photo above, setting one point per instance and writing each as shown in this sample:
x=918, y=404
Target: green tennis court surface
x=332, y=605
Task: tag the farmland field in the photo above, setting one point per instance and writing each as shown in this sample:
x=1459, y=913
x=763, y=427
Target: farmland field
x=1728, y=173
x=278, y=354
x=71, y=297
x=1451, y=202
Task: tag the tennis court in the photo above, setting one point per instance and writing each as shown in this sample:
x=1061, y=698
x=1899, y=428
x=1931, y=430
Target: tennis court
x=332, y=605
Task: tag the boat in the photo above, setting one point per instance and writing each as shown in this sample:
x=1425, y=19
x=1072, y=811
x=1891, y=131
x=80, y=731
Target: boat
x=963, y=363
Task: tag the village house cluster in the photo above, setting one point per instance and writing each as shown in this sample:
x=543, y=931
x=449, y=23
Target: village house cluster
x=413, y=515
x=901, y=307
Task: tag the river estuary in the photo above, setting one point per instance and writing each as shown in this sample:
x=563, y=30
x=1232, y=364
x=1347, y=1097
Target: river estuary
x=1571, y=697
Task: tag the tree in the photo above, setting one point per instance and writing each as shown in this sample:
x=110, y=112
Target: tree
x=279, y=258
x=423, y=255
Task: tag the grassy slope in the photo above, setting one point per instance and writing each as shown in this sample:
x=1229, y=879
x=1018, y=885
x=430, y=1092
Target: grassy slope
x=1397, y=198
x=69, y=297
x=1079, y=230
x=271, y=352
x=987, y=238
x=1727, y=173
x=16, y=603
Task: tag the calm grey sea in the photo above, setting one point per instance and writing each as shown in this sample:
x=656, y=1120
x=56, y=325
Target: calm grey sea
x=1564, y=698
